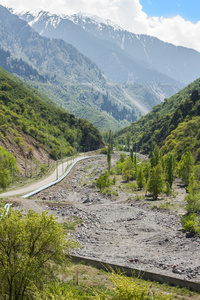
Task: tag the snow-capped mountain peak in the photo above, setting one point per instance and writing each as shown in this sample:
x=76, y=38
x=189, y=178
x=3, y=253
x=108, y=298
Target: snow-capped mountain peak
x=94, y=19
x=120, y=54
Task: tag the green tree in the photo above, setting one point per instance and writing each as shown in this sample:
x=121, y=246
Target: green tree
x=128, y=139
x=193, y=203
x=169, y=168
x=140, y=178
x=155, y=155
x=131, y=154
x=122, y=157
x=185, y=167
x=32, y=248
x=103, y=181
x=147, y=170
x=7, y=164
x=109, y=157
x=111, y=139
x=128, y=172
x=156, y=182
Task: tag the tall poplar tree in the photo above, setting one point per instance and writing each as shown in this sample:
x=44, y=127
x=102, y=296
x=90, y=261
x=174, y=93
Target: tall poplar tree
x=156, y=182
x=169, y=168
x=185, y=167
x=109, y=158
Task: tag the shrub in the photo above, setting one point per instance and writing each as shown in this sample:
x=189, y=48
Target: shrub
x=191, y=223
x=128, y=172
x=19, y=141
x=103, y=181
x=104, y=151
x=32, y=249
x=112, y=171
x=132, y=186
x=127, y=289
x=114, y=180
x=193, y=203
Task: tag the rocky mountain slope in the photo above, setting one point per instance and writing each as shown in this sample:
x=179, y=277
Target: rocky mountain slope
x=123, y=56
x=68, y=77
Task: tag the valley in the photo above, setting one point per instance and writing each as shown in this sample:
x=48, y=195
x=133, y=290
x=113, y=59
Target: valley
x=73, y=86
x=125, y=227
x=108, y=85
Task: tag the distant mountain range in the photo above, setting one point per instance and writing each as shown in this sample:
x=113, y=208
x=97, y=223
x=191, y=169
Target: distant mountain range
x=123, y=56
x=92, y=69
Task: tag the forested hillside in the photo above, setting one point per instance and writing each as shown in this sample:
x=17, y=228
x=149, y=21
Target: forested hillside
x=65, y=75
x=174, y=125
x=29, y=125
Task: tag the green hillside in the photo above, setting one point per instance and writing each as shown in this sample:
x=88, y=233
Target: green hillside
x=69, y=78
x=29, y=122
x=176, y=120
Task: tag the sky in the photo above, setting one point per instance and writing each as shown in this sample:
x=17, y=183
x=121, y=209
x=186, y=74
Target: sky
x=173, y=21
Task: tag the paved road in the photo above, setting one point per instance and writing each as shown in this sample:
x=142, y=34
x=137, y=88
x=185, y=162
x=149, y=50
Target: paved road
x=39, y=184
x=51, y=178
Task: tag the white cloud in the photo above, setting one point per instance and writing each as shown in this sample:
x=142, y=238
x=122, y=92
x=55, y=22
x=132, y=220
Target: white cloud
x=175, y=30
x=126, y=13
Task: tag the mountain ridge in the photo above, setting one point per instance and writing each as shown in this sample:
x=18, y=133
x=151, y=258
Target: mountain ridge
x=29, y=129
x=173, y=125
x=72, y=80
x=144, y=49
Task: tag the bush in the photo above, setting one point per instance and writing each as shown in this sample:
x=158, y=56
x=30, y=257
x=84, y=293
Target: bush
x=132, y=186
x=128, y=289
x=19, y=141
x=112, y=171
x=193, y=203
x=32, y=249
x=128, y=172
x=191, y=223
x=119, y=167
x=103, y=181
x=104, y=151
x=114, y=180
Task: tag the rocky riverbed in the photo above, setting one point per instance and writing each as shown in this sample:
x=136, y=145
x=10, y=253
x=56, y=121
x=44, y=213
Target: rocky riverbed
x=124, y=228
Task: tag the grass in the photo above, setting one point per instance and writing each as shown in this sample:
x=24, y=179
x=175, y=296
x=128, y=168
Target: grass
x=93, y=281
x=72, y=223
x=86, y=168
x=109, y=192
x=166, y=205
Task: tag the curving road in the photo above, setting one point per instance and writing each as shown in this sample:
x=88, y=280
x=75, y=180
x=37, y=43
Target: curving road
x=42, y=182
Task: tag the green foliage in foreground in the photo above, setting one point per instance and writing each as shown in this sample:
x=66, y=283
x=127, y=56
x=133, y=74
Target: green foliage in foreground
x=33, y=265
x=33, y=248
x=124, y=288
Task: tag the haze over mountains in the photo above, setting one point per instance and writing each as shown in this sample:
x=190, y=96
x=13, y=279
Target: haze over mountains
x=94, y=70
x=123, y=56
